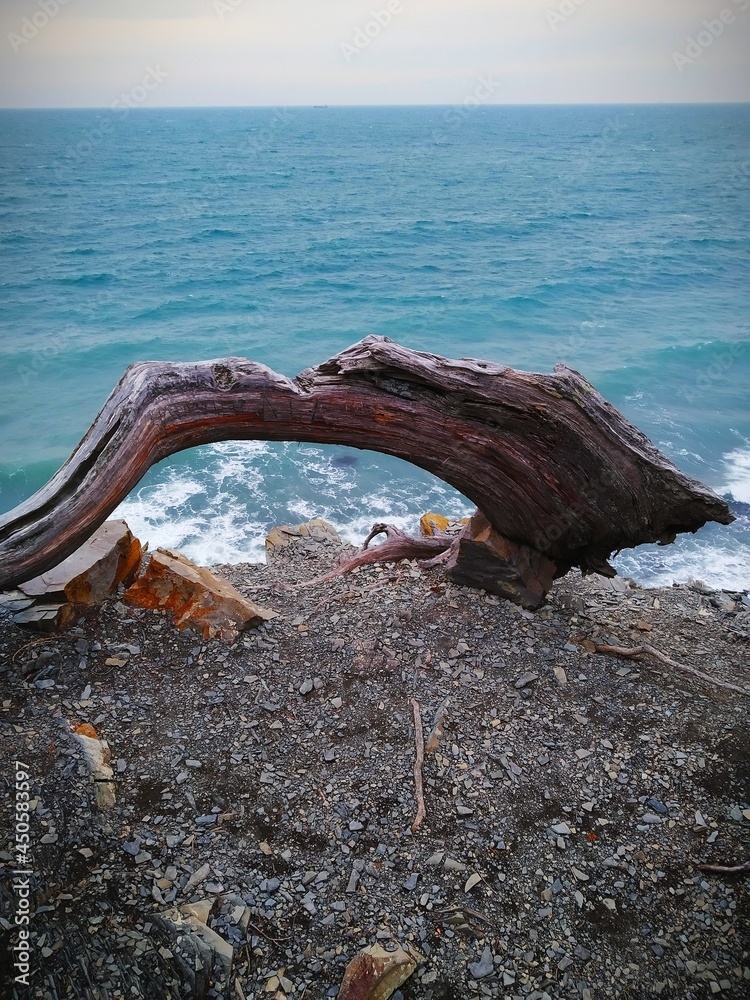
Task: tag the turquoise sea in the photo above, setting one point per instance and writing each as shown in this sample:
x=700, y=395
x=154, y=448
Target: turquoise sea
x=615, y=239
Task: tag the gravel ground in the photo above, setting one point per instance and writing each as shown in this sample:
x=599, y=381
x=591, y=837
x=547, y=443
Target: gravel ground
x=569, y=800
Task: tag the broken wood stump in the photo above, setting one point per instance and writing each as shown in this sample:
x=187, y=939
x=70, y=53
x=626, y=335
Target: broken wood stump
x=483, y=558
x=553, y=467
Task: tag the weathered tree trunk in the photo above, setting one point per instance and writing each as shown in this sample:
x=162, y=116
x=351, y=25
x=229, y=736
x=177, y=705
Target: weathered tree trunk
x=549, y=462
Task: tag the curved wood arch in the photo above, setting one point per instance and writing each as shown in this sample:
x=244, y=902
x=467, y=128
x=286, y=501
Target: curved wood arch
x=551, y=464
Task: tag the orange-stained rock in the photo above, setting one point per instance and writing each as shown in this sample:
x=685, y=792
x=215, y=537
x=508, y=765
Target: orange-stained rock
x=430, y=524
x=434, y=524
x=485, y=559
x=109, y=558
x=195, y=597
x=86, y=729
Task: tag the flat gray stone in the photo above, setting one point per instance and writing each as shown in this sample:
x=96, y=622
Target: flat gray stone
x=485, y=965
x=525, y=679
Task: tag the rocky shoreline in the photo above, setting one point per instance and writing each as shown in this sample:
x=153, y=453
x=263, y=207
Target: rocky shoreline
x=261, y=836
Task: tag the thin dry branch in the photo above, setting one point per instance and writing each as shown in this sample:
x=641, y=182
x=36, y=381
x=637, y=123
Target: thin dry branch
x=724, y=869
x=418, y=763
x=638, y=652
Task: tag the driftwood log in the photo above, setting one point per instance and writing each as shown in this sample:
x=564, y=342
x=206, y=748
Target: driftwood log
x=560, y=476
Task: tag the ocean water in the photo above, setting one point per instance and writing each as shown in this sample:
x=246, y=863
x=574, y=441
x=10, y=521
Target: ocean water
x=614, y=239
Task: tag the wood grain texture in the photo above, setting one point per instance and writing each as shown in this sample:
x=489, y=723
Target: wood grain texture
x=550, y=463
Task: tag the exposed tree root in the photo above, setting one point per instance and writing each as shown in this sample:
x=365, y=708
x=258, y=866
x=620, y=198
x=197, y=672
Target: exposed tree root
x=638, y=652
x=398, y=546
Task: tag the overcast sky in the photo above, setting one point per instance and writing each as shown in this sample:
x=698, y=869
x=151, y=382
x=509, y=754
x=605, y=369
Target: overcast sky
x=88, y=53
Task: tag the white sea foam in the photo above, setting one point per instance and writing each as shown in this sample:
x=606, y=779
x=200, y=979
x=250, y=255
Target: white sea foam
x=717, y=555
x=304, y=509
x=738, y=474
x=724, y=565
x=200, y=510
x=219, y=536
x=237, y=460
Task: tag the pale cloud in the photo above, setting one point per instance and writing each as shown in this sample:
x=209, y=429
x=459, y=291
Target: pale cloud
x=286, y=52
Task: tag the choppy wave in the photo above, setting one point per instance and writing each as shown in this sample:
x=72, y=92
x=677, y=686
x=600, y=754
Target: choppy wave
x=717, y=555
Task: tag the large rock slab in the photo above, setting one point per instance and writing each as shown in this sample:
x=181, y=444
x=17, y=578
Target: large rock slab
x=483, y=558
x=14, y=600
x=297, y=552
x=110, y=557
x=195, y=597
